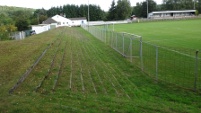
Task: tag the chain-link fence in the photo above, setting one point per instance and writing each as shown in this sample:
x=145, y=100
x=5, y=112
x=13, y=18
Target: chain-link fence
x=163, y=64
x=198, y=71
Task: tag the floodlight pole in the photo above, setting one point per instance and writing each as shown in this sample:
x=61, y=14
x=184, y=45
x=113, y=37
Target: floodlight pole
x=147, y=9
x=88, y=15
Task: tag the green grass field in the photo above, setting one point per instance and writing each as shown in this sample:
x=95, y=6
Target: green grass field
x=183, y=34
x=81, y=74
x=162, y=58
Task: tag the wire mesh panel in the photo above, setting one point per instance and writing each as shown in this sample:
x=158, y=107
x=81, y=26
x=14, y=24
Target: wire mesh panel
x=119, y=43
x=127, y=45
x=148, y=63
x=102, y=38
x=176, y=68
x=84, y=26
x=113, y=40
x=136, y=49
x=109, y=37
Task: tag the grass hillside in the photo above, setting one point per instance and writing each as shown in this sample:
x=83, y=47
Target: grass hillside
x=79, y=73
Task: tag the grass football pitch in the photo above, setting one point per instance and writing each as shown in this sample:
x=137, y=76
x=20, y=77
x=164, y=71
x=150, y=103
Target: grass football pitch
x=178, y=34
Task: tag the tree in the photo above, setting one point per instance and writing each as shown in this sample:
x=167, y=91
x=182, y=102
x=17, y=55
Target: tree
x=5, y=30
x=137, y=10
x=151, y=7
x=40, y=12
x=4, y=20
x=196, y=12
x=51, y=12
x=34, y=21
x=22, y=25
x=112, y=14
x=83, y=10
x=96, y=13
x=123, y=9
x=178, y=4
x=39, y=16
x=141, y=9
x=7, y=26
x=21, y=14
x=42, y=18
x=199, y=6
x=21, y=18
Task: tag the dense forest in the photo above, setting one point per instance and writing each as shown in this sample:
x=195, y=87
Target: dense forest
x=19, y=19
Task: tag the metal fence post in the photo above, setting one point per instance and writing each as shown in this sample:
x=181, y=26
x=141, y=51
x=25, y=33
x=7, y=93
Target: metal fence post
x=131, y=49
x=99, y=33
x=196, y=70
x=116, y=40
x=105, y=32
x=102, y=35
x=156, y=63
x=123, y=44
x=111, y=39
x=113, y=26
x=95, y=32
x=141, y=55
x=133, y=46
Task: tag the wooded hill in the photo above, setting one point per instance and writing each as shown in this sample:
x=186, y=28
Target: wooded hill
x=13, y=8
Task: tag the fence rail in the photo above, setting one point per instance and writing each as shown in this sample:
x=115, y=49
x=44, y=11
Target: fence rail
x=160, y=63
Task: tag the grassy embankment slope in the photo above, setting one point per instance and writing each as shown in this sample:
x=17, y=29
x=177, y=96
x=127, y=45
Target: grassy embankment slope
x=81, y=74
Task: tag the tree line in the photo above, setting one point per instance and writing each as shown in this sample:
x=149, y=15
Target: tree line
x=74, y=11
x=120, y=11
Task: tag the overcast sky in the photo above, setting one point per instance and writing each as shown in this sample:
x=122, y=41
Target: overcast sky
x=47, y=4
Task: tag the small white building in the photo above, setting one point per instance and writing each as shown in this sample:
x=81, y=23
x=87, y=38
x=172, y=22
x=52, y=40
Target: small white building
x=58, y=21
x=78, y=21
x=62, y=21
